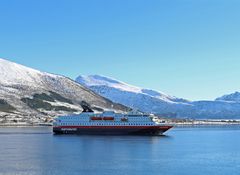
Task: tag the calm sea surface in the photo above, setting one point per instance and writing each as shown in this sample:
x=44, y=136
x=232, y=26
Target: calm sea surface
x=183, y=151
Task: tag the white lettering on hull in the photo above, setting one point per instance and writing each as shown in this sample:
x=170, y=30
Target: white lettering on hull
x=68, y=129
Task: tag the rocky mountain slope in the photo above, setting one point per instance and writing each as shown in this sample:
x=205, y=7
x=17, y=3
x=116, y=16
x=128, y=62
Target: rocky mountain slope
x=30, y=95
x=148, y=100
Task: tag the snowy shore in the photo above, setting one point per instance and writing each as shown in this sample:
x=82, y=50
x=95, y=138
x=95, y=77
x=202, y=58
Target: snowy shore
x=189, y=122
x=169, y=121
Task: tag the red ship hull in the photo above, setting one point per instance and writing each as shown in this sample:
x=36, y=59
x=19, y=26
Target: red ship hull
x=111, y=130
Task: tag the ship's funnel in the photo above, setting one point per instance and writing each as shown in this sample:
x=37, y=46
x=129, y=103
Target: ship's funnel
x=86, y=107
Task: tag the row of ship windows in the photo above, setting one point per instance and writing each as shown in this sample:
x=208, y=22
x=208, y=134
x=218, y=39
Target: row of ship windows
x=103, y=124
x=86, y=119
x=89, y=119
x=114, y=121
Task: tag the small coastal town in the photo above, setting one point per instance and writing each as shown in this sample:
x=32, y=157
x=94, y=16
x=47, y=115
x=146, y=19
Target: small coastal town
x=192, y=122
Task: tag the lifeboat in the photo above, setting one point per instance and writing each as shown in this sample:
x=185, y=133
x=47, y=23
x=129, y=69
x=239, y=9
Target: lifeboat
x=108, y=118
x=96, y=118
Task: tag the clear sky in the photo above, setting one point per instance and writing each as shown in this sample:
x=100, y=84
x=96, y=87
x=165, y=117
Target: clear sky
x=186, y=48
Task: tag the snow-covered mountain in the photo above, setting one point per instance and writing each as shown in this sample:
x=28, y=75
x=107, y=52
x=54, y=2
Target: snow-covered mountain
x=103, y=82
x=234, y=97
x=148, y=100
x=33, y=94
x=30, y=95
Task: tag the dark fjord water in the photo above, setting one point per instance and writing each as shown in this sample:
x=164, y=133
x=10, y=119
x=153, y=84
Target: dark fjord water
x=183, y=151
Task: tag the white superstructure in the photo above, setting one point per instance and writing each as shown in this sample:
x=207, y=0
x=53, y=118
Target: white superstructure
x=108, y=118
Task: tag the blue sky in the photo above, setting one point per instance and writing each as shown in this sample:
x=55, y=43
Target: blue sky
x=186, y=48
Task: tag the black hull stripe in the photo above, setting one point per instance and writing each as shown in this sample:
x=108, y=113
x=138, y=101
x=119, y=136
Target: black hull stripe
x=140, y=130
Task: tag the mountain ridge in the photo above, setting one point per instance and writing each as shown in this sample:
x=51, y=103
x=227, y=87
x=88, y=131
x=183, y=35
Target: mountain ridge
x=100, y=80
x=157, y=102
x=234, y=97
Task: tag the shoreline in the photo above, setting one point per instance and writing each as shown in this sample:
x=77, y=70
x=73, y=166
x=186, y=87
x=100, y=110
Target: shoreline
x=25, y=125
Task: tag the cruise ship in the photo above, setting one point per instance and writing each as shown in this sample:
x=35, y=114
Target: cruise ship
x=109, y=123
